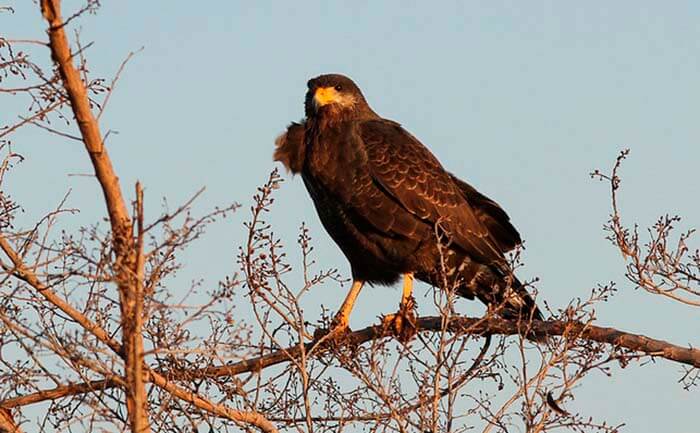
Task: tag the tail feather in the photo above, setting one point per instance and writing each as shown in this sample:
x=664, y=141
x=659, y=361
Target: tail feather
x=506, y=294
x=497, y=287
x=513, y=302
x=519, y=304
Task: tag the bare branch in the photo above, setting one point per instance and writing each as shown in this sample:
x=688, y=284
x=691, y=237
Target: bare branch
x=21, y=271
x=253, y=418
x=484, y=326
x=7, y=423
x=127, y=275
x=87, y=123
x=458, y=325
x=661, y=266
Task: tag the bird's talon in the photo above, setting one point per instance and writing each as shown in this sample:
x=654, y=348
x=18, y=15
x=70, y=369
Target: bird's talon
x=339, y=326
x=402, y=324
x=338, y=329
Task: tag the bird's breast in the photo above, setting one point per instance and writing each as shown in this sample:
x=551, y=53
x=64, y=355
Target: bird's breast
x=335, y=158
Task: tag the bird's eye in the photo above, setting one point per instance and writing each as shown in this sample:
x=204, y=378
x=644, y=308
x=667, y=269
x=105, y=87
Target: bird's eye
x=338, y=87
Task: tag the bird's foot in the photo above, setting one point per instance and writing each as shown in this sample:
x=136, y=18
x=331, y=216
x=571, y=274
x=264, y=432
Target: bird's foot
x=339, y=328
x=402, y=324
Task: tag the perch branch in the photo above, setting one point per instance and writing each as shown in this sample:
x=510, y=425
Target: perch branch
x=481, y=326
x=458, y=325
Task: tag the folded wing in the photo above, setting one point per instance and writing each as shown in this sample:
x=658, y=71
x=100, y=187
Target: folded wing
x=408, y=173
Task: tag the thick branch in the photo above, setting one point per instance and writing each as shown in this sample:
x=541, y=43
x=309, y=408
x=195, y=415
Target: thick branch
x=7, y=422
x=122, y=236
x=480, y=326
x=62, y=391
x=89, y=129
x=458, y=326
x=252, y=418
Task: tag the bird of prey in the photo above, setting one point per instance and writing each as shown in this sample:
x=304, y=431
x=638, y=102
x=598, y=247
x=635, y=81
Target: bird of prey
x=394, y=211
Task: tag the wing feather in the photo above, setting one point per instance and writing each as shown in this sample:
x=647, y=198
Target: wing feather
x=404, y=171
x=491, y=215
x=407, y=172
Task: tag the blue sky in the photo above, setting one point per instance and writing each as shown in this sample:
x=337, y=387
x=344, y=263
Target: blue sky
x=522, y=99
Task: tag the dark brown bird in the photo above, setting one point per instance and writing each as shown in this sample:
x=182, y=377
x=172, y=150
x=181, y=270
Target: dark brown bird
x=386, y=201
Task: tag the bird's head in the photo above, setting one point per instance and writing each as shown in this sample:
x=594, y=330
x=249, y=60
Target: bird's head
x=335, y=96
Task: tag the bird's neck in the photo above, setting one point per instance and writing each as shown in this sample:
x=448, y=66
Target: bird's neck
x=331, y=117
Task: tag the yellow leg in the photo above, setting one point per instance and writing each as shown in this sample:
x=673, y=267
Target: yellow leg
x=403, y=323
x=407, y=295
x=342, y=318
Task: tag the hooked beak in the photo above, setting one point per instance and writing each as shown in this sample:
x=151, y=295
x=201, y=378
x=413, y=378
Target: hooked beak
x=324, y=96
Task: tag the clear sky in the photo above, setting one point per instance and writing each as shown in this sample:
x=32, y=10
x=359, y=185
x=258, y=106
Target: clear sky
x=522, y=99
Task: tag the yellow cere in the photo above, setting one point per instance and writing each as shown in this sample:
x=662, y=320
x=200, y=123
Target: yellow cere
x=325, y=96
